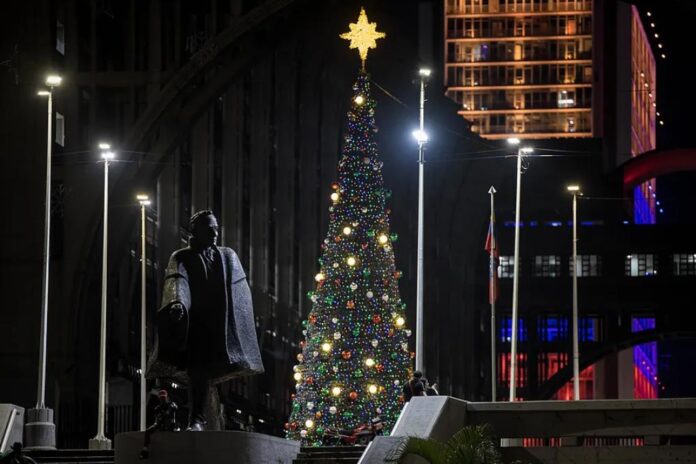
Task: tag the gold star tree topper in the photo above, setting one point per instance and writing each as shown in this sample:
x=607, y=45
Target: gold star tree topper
x=363, y=35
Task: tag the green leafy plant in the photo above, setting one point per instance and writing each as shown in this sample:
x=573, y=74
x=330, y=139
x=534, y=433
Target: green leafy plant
x=471, y=445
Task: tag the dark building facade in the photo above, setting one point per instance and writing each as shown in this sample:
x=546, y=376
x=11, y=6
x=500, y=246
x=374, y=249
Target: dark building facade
x=231, y=106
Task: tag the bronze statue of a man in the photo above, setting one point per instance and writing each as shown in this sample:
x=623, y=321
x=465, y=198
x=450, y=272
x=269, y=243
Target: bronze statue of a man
x=206, y=332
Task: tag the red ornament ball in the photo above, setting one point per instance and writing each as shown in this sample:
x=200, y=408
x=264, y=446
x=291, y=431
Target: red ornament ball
x=353, y=395
x=346, y=355
x=312, y=319
x=376, y=318
x=350, y=304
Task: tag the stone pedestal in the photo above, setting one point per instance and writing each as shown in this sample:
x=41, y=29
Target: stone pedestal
x=206, y=447
x=39, y=430
x=99, y=443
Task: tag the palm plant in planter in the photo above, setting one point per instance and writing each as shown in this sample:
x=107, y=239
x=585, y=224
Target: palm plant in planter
x=471, y=445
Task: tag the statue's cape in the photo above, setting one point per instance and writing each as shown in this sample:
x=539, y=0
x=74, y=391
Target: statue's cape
x=169, y=356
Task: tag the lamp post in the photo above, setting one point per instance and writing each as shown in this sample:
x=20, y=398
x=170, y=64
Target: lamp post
x=422, y=138
x=516, y=263
x=575, y=190
x=100, y=441
x=39, y=430
x=144, y=201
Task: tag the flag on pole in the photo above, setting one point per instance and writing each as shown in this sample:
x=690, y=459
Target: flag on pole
x=492, y=249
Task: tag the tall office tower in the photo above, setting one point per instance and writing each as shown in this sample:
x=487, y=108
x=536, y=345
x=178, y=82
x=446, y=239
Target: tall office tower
x=521, y=68
x=643, y=106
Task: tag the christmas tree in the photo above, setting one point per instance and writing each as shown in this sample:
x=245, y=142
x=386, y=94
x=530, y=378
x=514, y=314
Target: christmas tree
x=355, y=355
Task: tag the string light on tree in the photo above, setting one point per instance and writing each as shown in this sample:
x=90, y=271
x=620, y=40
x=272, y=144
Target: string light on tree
x=353, y=360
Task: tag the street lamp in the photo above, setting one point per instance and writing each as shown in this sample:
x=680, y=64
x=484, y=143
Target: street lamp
x=516, y=263
x=39, y=430
x=144, y=201
x=100, y=441
x=422, y=138
x=575, y=190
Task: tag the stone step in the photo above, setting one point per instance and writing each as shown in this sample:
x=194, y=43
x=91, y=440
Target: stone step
x=329, y=455
x=74, y=456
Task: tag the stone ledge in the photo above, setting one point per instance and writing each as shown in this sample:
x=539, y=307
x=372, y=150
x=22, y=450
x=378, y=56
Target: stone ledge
x=206, y=447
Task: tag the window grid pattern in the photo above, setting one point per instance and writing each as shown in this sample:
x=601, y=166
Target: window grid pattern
x=587, y=266
x=547, y=266
x=641, y=265
x=684, y=264
x=506, y=267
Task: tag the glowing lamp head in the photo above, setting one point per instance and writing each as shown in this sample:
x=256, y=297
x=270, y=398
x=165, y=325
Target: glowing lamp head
x=104, y=146
x=420, y=135
x=513, y=141
x=144, y=200
x=335, y=391
x=108, y=155
x=359, y=100
x=527, y=150
x=383, y=239
x=43, y=93
x=400, y=321
x=309, y=423
x=297, y=376
x=326, y=347
x=351, y=261
x=53, y=80
x=369, y=362
x=425, y=72
x=573, y=188
x=347, y=230
x=319, y=277
x=372, y=388
x=334, y=196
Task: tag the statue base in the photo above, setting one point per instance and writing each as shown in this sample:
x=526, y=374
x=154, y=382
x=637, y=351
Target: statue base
x=99, y=443
x=39, y=430
x=205, y=447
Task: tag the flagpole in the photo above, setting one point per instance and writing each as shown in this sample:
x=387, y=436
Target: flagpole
x=493, y=296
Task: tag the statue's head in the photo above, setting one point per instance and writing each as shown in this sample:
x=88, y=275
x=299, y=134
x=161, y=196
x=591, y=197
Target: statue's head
x=204, y=227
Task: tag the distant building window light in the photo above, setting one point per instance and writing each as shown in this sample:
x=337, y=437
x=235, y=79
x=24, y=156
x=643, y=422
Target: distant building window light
x=60, y=37
x=591, y=223
x=60, y=129
x=553, y=223
x=512, y=223
x=684, y=264
x=641, y=265
x=506, y=330
x=547, y=266
x=506, y=267
x=587, y=266
x=564, y=101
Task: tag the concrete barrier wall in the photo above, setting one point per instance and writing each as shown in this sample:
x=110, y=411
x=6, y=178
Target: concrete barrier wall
x=11, y=416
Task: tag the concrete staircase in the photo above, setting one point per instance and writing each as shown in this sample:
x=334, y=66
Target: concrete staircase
x=329, y=455
x=77, y=456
